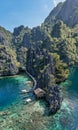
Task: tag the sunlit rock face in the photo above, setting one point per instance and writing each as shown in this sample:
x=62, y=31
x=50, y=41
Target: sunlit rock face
x=67, y=12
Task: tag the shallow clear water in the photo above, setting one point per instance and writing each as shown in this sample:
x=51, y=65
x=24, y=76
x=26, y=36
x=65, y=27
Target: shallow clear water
x=15, y=114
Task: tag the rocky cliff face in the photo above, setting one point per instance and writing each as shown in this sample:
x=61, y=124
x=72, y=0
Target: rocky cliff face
x=41, y=66
x=49, y=21
x=67, y=12
x=8, y=57
x=8, y=62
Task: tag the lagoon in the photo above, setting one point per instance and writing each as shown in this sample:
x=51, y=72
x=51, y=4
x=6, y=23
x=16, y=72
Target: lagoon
x=15, y=114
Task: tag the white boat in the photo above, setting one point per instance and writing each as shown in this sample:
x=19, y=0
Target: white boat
x=28, y=100
x=24, y=91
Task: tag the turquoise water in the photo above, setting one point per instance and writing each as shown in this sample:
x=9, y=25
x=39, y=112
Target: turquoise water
x=15, y=114
x=10, y=89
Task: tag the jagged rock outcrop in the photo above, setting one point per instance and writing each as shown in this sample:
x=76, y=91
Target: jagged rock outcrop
x=8, y=57
x=53, y=98
x=40, y=64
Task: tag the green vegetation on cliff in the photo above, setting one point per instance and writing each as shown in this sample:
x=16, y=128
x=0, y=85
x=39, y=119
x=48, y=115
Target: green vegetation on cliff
x=45, y=51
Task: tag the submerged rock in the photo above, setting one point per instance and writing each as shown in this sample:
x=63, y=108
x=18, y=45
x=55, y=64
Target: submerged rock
x=3, y=113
